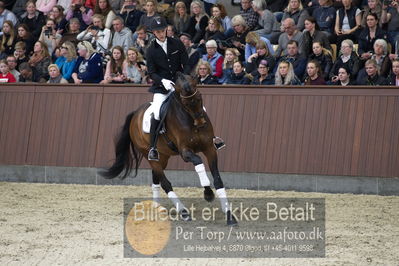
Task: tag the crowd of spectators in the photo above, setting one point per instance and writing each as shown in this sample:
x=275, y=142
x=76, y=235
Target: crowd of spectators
x=278, y=42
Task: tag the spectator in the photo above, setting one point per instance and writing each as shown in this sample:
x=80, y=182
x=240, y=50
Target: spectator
x=373, y=77
x=390, y=16
x=296, y=11
x=237, y=40
x=262, y=53
x=57, y=14
x=72, y=33
x=285, y=74
x=81, y=12
x=49, y=35
x=269, y=27
x=33, y=19
x=45, y=6
x=394, y=78
x=136, y=70
x=28, y=74
x=116, y=5
x=97, y=35
x=262, y=76
x=6, y=15
x=291, y=34
x=347, y=22
x=65, y=5
x=150, y=9
x=90, y=3
x=325, y=17
x=171, y=31
x=298, y=61
x=204, y=73
x=40, y=60
x=8, y=39
x=323, y=56
x=311, y=34
x=252, y=40
x=276, y=7
x=193, y=54
x=5, y=74
x=344, y=77
x=20, y=53
x=347, y=58
x=130, y=14
x=231, y=55
x=382, y=59
x=219, y=11
x=88, y=68
x=66, y=62
x=122, y=35
x=314, y=75
x=12, y=64
x=181, y=18
x=142, y=40
x=214, y=31
x=55, y=75
x=104, y=8
x=372, y=7
x=19, y=7
x=238, y=76
x=115, y=72
x=368, y=36
x=214, y=58
x=25, y=36
x=250, y=16
x=198, y=21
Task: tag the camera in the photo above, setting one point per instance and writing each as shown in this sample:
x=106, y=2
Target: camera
x=96, y=28
x=48, y=32
x=130, y=6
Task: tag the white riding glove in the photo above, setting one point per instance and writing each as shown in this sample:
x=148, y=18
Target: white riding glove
x=168, y=84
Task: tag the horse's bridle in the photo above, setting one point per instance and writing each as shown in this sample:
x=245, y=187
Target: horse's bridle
x=187, y=97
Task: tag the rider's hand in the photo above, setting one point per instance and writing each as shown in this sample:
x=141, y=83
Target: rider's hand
x=168, y=84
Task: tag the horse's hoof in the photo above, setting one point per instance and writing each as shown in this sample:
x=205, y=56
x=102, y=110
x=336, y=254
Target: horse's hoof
x=208, y=194
x=231, y=220
x=185, y=215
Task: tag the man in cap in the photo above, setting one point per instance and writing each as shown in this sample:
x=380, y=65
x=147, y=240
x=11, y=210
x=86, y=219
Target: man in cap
x=165, y=57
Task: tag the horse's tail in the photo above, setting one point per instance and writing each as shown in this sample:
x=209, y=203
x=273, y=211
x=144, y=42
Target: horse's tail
x=125, y=154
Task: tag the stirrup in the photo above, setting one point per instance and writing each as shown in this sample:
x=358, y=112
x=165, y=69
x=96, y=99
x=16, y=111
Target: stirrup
x=153, y=155
x=218, y=143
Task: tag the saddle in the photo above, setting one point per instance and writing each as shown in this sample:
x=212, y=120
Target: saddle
x=162, y=114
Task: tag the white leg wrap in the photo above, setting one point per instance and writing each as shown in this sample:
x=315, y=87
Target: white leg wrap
x=178, y=204
x=221, y=193
x=156, y=192
x=200, y=169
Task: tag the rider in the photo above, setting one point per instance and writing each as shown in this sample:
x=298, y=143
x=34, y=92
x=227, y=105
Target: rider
x=165, y=57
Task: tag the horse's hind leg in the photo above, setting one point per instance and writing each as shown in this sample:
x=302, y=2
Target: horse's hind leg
x=211, y=156
x=189, y=156
x=158, y=177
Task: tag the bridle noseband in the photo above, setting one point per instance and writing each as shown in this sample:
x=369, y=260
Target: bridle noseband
x=187, y=97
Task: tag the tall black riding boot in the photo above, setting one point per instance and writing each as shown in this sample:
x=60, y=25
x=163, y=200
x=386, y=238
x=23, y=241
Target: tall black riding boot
x=153, y=153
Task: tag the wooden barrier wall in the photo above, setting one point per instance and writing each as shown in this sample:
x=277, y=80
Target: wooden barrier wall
x=328, y=131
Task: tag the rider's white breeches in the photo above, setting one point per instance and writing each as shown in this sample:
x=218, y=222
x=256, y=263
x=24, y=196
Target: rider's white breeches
x=157, y=101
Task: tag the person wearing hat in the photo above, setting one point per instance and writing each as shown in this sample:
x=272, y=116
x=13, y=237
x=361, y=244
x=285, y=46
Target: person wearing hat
x=193, y=54
x=165, y=57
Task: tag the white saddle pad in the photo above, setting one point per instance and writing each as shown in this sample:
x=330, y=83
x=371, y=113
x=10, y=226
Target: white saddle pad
x=147, y=119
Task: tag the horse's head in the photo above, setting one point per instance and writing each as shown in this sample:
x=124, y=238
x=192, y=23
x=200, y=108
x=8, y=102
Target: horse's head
x=191, y=98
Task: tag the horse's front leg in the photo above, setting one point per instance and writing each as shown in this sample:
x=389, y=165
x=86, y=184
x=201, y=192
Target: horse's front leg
x=212, y=158
x=190, y=156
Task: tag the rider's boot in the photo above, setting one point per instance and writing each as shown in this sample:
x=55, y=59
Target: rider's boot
x=153, y=153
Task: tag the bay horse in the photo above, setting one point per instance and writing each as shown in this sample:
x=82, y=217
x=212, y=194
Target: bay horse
x=189, y=129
